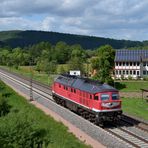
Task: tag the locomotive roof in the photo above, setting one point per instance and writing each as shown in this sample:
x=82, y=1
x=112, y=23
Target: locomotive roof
x=84, y=84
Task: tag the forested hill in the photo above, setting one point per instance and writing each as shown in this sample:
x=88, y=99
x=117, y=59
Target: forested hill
x=2, y=44
x=25, y=38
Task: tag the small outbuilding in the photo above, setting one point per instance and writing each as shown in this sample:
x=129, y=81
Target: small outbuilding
x=75, y=72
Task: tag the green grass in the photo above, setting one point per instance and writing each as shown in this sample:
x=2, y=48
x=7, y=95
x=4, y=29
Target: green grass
x=136, y=107
x=25, y=70
x=57, y=132
x=131, y=85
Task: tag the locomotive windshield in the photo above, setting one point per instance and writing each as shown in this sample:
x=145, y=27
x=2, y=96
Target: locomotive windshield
x=104, y=97
x=115, y=96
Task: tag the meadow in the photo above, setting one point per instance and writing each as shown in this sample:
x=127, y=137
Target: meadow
x=136, y=107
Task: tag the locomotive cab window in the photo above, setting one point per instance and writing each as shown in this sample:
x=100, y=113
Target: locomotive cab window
x=60, y=85
x=115, y=96
x=96, y=97
x=104, y=97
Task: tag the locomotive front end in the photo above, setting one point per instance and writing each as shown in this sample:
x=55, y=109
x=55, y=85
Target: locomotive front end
x=109, y=106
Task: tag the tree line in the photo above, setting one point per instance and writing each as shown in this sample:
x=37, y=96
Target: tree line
x=45, y=58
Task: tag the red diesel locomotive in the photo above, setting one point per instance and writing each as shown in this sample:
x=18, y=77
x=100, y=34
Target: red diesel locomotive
x=91, y=99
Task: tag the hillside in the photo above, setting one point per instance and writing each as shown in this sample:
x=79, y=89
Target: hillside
x=2, y=44
x=25, y=38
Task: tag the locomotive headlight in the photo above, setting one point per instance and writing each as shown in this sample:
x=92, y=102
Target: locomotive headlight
x=97, y=116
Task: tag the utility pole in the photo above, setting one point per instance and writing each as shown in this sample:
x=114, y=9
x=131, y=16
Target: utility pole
x=31, y=78
x=87, y=73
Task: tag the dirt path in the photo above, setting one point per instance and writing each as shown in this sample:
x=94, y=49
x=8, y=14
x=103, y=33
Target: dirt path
x=133, y=94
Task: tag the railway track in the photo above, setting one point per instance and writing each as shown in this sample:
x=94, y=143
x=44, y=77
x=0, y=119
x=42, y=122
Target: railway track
x=127, y=132
x=134, y=122
x=133, y=135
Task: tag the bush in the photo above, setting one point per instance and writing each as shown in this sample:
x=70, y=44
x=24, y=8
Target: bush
x=17, y=131
x=122, y=77
x=130, y=77
x=145, y=78
x=4, y=106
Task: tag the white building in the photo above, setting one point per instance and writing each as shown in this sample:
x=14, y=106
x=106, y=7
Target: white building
x=132, y=63
x=75, y=72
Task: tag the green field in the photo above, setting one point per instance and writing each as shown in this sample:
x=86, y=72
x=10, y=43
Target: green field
x=136, y=107
x=57, y=133
x=131, y=85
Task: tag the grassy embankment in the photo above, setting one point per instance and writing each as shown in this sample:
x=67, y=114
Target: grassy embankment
x=57, y=133
x=136, y=107
x=25, y=70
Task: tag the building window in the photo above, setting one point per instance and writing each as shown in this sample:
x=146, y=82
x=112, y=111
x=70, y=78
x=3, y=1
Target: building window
x=131, y=72
x=134, y=72
x=144, y=63
x=134, y=63
x=116, y=72
x=144, y=72
x=123, y=72
x=138, y=73
x=116, y=63
x=127, y=63
x=120, y=64
x=123, y=63
x=138, y=63
x=119, y=72
x=131, y=64
x=127, y=72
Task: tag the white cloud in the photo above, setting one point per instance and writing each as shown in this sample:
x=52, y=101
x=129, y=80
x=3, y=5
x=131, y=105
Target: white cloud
x=48, y=23
x=17, y=23
x=108, y=18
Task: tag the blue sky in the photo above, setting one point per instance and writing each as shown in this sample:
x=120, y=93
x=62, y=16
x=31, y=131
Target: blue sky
x=119, y=19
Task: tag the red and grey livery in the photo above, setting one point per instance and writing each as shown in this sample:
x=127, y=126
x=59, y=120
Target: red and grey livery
x=91, y=99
